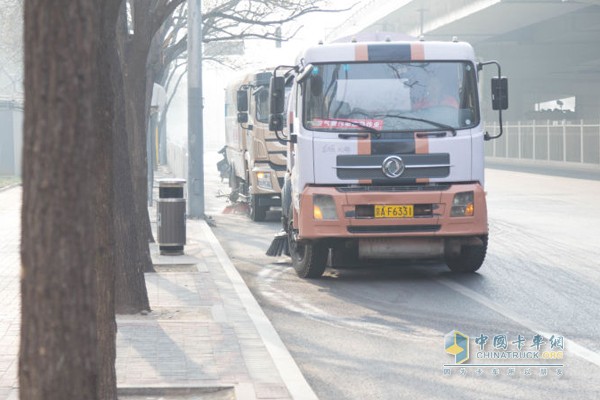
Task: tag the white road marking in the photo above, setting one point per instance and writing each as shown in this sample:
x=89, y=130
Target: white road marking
x=572, y=347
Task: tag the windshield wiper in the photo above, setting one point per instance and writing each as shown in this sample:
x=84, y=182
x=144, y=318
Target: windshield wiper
x=427, y=121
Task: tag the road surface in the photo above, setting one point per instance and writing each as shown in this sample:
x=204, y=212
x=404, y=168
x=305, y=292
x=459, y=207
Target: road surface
x=378, y=332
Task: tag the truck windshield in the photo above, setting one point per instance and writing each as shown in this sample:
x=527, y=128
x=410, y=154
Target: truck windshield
x=391, y=96
x=262, y=102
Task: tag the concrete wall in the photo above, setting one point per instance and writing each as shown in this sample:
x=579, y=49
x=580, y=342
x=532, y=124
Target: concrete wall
x=11, y=138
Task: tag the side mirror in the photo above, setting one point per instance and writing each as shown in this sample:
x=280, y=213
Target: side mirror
x=242, y=117
x=276, y=122
x=242, y=106
x=276, y=103
x=500, y=93
x=242, y=100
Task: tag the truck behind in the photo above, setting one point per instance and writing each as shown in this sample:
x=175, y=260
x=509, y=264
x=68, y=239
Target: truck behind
x=256, y=157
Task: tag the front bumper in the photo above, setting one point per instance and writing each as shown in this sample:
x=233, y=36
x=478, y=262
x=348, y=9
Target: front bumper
x=438, y=224
x=275, y=178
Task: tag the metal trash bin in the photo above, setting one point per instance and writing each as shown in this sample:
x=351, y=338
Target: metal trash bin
x=170, y=216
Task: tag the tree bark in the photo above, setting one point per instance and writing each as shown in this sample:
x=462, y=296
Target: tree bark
x=138, y=92
x=59, y=354
x=131, y=251
x=105, y=200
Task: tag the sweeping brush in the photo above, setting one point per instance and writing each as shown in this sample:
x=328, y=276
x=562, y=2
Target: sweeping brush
x=279, y=245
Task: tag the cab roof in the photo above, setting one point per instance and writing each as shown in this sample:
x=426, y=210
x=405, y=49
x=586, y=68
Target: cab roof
x=388, y=52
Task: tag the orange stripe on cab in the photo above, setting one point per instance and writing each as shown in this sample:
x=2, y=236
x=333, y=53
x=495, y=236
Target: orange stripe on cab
x=364, y=149
x=361, y=52
x=364, y=145
x=421, y=147
x=417, y=51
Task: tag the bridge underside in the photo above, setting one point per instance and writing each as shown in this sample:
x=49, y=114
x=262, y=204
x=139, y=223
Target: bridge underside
x=549, y=49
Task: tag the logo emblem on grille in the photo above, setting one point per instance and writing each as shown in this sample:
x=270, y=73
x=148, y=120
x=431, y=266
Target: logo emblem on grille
x=393, y=166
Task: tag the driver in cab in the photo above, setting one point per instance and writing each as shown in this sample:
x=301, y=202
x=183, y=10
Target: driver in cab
x=435, y=95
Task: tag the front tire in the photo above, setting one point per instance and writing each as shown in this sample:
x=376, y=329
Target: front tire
x=470, y=258
x=257, y=213
x=309, y=258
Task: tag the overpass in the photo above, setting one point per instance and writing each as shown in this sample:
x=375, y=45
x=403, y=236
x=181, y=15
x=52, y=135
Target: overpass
x=549, y=49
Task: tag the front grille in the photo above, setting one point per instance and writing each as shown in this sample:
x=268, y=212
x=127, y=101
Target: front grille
x=394, y=229
x=434, y=165
x=404, y=188
x=273, y=166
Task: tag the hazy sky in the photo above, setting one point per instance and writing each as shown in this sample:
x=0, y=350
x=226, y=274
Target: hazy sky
x=259, y=54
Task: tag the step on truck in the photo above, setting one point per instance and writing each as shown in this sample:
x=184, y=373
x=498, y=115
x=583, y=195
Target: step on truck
x=385, y=154
x=256, y=157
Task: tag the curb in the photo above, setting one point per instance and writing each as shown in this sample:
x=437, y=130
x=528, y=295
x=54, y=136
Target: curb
x=291, y=375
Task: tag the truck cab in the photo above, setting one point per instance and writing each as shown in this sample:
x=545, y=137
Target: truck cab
x=257, y=158
x=385, y=156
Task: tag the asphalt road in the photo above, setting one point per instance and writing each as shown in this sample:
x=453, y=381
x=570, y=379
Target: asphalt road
x=378, y=332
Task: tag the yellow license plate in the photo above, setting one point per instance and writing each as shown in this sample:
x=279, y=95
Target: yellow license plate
x=394, y=211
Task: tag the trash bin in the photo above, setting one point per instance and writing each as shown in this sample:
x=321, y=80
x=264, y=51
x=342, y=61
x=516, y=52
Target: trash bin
x=170, y=216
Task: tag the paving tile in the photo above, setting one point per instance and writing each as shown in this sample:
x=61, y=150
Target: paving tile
x=199, y=333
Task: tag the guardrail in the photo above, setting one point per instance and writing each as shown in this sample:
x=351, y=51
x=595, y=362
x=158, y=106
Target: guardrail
x=573, y=142
x=7, y=103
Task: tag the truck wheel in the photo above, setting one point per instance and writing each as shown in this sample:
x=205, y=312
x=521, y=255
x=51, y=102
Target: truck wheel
x=257, y=213
x=308, y=258
x=470, y=258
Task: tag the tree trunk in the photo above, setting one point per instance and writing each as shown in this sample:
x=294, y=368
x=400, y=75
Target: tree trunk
x=134, y=51
x=108, y=61
x=136, y=106
x=134, y=233
x=59, y=354
x=131, y=251
x=138, y=91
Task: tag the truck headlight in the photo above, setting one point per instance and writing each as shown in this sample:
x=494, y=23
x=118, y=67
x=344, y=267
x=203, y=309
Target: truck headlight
x=263, y=180
x=463, y=205
x=324, y=207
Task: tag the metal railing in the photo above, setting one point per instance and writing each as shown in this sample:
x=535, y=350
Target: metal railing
x=550, y=141
x=10, y=103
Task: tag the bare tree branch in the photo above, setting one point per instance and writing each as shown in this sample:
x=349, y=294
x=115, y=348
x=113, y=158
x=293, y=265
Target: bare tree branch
x=257, y=21
x=230, y=20
x=174, y=91
x=266, y=36
x=162, y=11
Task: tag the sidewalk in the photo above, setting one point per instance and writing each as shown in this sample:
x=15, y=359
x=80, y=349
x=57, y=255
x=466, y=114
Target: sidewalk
x=207, y=337
x=10, y=290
